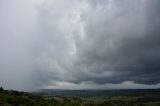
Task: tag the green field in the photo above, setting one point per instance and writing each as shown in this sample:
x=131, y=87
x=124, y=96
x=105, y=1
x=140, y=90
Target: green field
x=81, y=98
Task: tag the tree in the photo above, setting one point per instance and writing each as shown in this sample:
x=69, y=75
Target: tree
x=1, y=89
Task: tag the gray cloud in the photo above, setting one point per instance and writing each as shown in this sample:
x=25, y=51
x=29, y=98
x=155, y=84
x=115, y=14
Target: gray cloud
x=121, y=42
x=61, y=44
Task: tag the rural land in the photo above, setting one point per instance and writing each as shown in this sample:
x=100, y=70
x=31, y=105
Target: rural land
x=48, y=97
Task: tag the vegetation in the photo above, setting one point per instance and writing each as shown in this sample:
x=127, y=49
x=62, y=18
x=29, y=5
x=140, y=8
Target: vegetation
x=16, y=98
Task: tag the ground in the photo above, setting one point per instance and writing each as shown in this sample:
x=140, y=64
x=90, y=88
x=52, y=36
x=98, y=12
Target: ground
x=80, y=98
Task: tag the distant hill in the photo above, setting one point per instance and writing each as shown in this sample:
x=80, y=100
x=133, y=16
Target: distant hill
x=117, y=92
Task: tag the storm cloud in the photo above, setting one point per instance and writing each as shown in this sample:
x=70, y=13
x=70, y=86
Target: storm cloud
x=92, y=44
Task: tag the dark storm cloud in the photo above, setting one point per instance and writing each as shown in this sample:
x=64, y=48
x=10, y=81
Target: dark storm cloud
x=124, y=42
x=83, y=44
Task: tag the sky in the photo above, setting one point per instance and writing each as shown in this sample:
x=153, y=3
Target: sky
x=79, y=44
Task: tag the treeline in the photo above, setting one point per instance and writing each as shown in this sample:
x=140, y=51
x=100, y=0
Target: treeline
x=16, y=98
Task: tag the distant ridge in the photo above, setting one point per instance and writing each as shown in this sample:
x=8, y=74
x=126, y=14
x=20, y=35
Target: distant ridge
x=100, y=92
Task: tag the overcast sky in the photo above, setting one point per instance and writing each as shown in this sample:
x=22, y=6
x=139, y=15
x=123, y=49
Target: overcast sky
x=79, y=44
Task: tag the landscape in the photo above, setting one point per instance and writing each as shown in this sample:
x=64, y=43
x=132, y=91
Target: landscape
x=136, y=97
x=79, y=52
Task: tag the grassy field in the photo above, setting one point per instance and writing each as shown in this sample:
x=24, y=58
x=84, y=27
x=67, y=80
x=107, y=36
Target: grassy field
x=81, y=98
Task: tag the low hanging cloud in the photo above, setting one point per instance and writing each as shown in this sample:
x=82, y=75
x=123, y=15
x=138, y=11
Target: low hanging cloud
x=79, y=44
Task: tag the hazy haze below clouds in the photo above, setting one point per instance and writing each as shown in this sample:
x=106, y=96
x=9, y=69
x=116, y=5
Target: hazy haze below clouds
x=82, y=44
